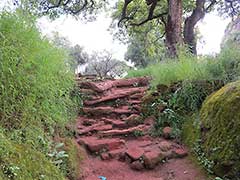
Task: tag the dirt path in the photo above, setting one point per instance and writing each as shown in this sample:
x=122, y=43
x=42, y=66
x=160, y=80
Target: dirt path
x=117, y=140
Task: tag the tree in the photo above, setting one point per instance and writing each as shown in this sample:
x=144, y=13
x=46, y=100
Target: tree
x=55, y=8
x=76, y=54
x=169, y=17
x=103, y=64
x=144, y=50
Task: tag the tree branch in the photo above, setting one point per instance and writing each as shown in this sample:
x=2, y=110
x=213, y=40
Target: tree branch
x=149, y=19
x=124, y=11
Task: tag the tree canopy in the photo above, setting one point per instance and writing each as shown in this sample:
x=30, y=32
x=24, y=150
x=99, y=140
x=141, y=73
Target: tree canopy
x=175, y=19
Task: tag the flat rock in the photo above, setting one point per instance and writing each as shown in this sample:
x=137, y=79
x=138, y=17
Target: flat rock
x=135, y=153
x=152, y=158
x=98, y=86
x=107, y=110
x=118, y=132
x=115, y=94
x=137, y=96
x=115, y=122
x=142, y=81
x=95, y=144
x=117, y=153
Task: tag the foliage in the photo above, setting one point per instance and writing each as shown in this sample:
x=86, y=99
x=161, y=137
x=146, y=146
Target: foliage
x=36, y=100
x=220, y=130
x=144, y=50
x=54, y=8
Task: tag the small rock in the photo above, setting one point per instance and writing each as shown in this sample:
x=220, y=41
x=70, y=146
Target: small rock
x=152, y=158
x=167, y=131
x=133, y=120
x=117, y=153
x=149, y=120
x=105, y=156
x=137, y=165
x=180, y=153
x=165, y=146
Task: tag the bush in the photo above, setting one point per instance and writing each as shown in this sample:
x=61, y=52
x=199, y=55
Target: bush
x=220, y=122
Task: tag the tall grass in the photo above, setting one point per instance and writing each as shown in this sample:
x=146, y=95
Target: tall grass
x=225, y=67
x=35, y=98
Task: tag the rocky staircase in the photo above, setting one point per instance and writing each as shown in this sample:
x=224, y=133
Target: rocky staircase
x=112, y=127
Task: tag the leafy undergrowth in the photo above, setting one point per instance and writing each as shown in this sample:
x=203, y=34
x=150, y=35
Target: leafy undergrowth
x=37, y=100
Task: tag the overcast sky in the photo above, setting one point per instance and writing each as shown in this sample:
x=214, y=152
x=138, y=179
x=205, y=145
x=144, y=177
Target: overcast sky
x=95, y=36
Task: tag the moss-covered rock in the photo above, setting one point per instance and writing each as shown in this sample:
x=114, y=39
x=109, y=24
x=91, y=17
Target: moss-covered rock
x=220, y=123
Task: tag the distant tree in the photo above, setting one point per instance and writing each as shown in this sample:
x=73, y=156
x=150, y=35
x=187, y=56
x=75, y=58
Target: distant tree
x=77, y=54
x=103, y=65
x=144, y=50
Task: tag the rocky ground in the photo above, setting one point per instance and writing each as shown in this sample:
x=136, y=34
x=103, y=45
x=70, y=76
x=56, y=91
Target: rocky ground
x=117, y=139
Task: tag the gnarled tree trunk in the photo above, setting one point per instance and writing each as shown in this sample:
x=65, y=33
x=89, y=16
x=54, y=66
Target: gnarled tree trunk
x=174, y=26
x=189, y=26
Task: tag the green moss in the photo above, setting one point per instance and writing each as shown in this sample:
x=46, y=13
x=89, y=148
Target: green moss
x=220, y=121
x=21, y=162
x=191, y=130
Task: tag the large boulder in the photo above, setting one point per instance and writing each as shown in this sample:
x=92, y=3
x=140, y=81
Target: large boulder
x=220, y=125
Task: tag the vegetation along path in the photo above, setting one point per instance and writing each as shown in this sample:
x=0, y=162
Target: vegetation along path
x=117, y=139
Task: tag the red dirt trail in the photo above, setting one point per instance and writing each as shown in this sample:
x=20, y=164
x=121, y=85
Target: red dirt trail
x=116, y=138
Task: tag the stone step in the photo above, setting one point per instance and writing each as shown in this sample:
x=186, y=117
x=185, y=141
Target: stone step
x=108, y=84
x=124, y=132
x=115, y=94
x=94, y=128
x=107, y=110
x=116, y=123
x=97, y=145
x=137, y=96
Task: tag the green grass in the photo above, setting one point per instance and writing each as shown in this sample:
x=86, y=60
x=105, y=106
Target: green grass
x=36, y=99
x=224, y=67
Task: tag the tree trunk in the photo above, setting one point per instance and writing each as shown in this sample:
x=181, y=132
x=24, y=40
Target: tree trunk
x=189, y=25
x=174, y=26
